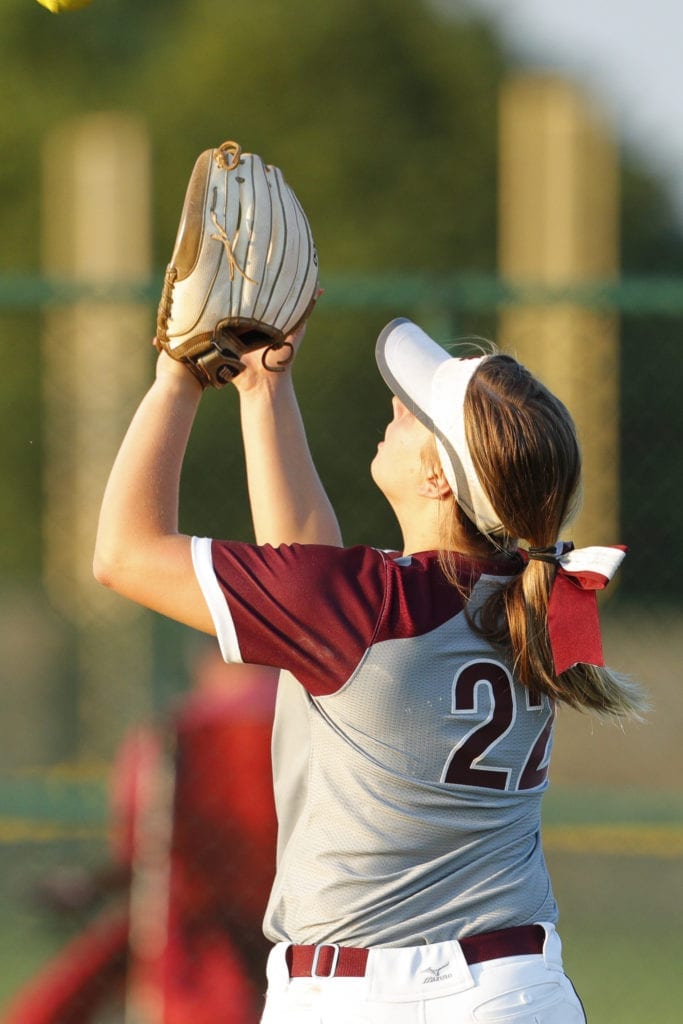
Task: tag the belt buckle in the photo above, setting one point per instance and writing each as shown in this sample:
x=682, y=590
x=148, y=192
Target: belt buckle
x=316, y=955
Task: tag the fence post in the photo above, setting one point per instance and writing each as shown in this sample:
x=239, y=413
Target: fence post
x=558, y=228
x=96, y=359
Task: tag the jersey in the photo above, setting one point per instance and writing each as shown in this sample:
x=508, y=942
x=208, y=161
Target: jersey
x=409, y=764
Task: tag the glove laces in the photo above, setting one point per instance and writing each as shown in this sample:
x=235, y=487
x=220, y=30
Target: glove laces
x=222, y=237
x=228, y=156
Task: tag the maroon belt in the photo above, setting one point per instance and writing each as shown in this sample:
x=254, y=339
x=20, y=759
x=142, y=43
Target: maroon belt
x=331, y=961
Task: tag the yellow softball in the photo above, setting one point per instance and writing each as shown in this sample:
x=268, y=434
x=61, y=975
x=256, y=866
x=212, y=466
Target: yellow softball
x=57, y=6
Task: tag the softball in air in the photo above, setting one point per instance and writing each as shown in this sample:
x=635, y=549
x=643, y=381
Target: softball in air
x=57, y=6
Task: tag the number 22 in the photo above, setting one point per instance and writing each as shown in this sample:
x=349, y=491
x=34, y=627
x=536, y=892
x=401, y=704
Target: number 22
x=463, y=766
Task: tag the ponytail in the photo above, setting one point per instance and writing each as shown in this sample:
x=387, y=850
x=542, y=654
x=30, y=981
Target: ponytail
x=525, y=452
x=517, y=616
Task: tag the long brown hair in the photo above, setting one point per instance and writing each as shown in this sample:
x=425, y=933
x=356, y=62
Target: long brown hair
x=526, y=454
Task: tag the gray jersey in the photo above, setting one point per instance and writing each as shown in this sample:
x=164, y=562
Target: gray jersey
x=409, y=763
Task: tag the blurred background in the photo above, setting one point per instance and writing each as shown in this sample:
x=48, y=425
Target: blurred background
x=490, y=169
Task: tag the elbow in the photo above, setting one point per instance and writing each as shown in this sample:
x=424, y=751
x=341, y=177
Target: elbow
x=101, y=572
x=104, y=571
x=109, y=569
x=125, y=567
x=113, y=557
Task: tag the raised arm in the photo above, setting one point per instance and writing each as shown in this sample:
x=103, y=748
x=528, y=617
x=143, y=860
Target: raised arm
x=288, y=501
x=139, y=552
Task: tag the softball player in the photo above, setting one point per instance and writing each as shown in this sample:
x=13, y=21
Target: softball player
x=415, y=708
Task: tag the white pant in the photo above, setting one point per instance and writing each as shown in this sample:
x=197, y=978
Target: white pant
x=430, y=984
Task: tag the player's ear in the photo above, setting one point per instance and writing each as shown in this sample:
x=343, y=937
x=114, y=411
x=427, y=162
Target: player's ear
x=434, y=484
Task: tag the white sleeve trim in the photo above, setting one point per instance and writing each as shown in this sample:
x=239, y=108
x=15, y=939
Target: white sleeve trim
x=215, y=599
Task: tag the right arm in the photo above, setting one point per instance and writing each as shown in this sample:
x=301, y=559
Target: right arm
x=288, y=501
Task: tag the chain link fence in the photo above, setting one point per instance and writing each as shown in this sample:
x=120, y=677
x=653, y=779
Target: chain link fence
x=88, y=679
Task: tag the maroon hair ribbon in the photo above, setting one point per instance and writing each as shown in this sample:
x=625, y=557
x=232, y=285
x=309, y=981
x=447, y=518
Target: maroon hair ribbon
x=573, y=620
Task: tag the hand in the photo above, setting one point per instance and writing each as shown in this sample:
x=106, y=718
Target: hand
x=255, y=373
x=174, y=369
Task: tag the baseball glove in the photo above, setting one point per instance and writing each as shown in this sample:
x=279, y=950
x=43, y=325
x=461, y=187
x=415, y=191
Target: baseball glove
x=244, y=270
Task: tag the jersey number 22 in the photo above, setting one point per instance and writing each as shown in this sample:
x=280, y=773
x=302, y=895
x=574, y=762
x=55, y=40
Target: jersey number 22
x=464, y=766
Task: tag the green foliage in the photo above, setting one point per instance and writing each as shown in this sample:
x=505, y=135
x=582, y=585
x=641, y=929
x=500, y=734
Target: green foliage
x=20, y=454
x=381, y=113
x=384, y=117
x=651, y=480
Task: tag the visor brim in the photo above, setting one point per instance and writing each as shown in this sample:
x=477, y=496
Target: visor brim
x=408, y=359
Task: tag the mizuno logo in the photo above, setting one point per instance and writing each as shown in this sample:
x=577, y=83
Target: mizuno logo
x=434, y=974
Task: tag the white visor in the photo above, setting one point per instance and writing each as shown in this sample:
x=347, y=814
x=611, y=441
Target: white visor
x=432, y=384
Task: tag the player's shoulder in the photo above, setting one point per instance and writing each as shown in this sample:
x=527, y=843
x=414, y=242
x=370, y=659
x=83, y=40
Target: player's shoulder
x=421, y=595
x=302, y=570
x=463, y=570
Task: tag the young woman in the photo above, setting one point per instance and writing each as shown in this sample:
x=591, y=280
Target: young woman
x=415, y=709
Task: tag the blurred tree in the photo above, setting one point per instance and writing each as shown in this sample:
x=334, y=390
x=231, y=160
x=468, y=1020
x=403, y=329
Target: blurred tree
x=384, y=117
x=652, y=482
x=52, y=68
x=375, y=110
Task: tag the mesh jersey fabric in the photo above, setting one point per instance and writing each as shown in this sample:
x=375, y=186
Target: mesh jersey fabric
x=409, y=764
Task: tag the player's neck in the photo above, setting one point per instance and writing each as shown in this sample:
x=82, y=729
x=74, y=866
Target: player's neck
x=435, y=529
x=421, y=530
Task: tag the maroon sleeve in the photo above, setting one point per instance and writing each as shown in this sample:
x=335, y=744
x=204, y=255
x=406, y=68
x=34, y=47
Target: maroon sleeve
x=311, y=609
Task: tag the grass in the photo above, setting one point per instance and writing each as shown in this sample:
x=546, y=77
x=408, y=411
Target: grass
x=625, y=977
x=30, y=934
x=620, y=927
